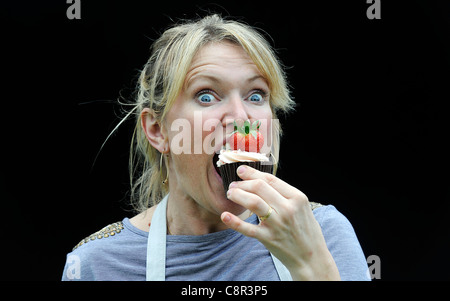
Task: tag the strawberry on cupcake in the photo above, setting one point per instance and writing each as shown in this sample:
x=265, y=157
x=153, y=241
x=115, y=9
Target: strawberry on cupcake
x=244, y=147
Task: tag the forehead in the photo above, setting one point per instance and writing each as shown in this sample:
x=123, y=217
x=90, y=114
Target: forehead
x=224, y=59
x=217, y=51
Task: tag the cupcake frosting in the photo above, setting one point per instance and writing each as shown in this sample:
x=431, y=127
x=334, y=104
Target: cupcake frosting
x=231, y=156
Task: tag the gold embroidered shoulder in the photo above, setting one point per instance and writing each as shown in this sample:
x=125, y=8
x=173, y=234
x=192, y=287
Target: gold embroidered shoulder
x=105, y=232
x=315, y=205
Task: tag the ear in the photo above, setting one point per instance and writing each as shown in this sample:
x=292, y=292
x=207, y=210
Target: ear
x=153, y=130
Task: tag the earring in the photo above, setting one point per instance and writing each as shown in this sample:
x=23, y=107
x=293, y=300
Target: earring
x=160, y=169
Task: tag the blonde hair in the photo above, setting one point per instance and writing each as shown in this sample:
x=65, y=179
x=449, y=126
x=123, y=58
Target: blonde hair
x=162, y=79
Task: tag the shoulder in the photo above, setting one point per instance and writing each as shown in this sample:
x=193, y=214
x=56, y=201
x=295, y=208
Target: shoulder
x=110, y=230
x=330, y=219
x=81, y=263
x=325, y=214
x=333, y=222
x=104, y=254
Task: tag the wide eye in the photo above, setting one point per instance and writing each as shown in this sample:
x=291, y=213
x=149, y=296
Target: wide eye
x=205, y=97
x=256, y=97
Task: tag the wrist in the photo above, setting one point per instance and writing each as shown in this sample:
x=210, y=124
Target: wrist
x=323, y=270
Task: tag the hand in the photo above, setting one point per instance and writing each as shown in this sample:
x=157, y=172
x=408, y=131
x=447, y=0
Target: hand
x=291, y=232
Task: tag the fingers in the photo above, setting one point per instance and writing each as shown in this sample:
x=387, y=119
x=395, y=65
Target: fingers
x=245, y=172
x=239, y=225
x=259, y=192
x=242, y=193
x=238, y=194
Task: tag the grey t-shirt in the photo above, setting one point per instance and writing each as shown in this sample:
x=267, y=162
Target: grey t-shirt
x=119, y=253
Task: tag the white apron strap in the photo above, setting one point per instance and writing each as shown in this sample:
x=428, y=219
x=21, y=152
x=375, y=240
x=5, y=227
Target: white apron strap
x=156, y=244
x=282, y=271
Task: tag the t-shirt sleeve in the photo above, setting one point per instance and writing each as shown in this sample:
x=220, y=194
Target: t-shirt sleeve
x=343, y=244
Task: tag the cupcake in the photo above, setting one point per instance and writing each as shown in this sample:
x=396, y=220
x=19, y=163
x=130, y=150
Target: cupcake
x=243, y=148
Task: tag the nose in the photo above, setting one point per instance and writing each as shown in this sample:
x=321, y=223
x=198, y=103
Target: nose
x=234, y=109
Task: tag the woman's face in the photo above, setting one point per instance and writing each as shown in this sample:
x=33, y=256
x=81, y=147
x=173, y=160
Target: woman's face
x=222, y=85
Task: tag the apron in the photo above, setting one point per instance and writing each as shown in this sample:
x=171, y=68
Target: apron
x=156, y=248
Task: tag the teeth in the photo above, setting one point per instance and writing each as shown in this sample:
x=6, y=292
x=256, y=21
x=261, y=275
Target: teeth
x=215, y=159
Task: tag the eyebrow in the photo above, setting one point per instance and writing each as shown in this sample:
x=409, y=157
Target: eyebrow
x=216, y=79
x=256, y=77
x=212, y=78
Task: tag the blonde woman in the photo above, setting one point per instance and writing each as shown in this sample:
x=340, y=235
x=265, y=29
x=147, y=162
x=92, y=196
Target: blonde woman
x=205, y=74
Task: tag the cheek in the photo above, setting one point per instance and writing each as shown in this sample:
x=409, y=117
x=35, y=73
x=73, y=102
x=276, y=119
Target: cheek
x=188, y=127
x=213, y=136
x=183, y=166
x=199, y=134
x=180, y=130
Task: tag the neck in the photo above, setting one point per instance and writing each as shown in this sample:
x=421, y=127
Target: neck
x=186, y=217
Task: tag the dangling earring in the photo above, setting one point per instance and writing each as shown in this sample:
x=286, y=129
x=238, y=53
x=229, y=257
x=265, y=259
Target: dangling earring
x=160, y=169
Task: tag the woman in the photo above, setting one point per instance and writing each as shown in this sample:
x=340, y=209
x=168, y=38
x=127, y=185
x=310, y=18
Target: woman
x=205, y=74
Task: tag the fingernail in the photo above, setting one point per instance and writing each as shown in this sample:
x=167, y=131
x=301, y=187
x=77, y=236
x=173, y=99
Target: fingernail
x=241, y=169
x=226, y=218
x=232, y=184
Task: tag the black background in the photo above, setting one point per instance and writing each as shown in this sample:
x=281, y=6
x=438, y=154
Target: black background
x=370, y=134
